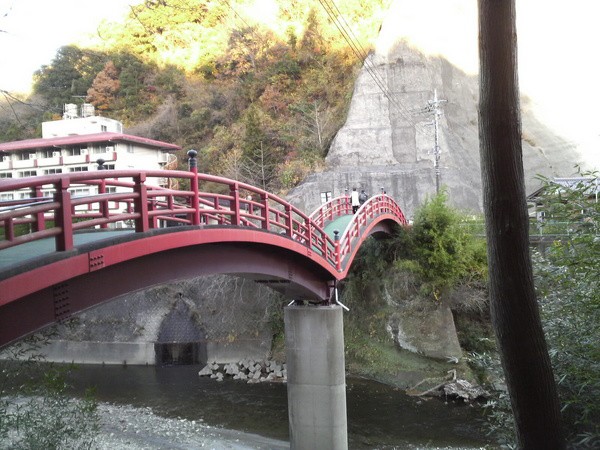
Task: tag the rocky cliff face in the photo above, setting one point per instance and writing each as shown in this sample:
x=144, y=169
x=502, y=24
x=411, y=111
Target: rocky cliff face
x=388, y=139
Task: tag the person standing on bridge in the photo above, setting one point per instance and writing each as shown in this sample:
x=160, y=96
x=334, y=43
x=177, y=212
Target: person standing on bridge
x=363, y=197
x=354, y=200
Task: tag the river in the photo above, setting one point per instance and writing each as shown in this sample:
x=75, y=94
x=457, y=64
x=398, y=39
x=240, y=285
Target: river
x=379, y=416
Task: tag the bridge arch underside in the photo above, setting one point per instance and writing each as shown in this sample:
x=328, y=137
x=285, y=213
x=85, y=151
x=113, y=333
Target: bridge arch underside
x=286, y=271
x=380, y=229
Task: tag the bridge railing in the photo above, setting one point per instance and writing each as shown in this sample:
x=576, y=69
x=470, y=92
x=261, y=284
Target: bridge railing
x=329, y=211
x=375, y=206
x=59, y=205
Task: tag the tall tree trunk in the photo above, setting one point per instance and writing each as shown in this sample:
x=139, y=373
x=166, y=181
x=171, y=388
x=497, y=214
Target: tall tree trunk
x=514, y=310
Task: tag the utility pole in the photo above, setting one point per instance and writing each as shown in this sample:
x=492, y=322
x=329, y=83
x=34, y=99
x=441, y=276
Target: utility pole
x=433, y=106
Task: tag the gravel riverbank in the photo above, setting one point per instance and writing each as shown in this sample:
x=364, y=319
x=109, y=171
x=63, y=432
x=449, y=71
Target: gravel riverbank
x=125, y=427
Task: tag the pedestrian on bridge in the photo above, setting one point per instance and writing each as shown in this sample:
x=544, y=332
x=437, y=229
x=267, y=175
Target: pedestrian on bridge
x=354, y=200
x=363, y=197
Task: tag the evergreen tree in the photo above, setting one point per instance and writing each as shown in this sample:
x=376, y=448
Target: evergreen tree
x=69, y=75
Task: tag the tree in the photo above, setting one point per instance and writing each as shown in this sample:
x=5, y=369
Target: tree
x=105, y=87
x=260, y=168
x=440, y=250
x=316, y=120
x=70, y=74
x=514, y=310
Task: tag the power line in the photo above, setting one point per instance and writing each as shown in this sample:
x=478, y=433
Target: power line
x=331, y=9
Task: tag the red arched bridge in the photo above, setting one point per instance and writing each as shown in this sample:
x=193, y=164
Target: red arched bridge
x=73, y=241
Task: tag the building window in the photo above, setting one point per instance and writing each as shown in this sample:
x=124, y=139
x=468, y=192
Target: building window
x=52, y=171
x=79, y=192
x=48, y=153
x=103, y=128
x=129, y=148
x=6, y=175
x=6, y=197
x=78, y=169
x=23, y=156
x=73, y=151
x=325, y=196
x=27, y=173
x=109, y=167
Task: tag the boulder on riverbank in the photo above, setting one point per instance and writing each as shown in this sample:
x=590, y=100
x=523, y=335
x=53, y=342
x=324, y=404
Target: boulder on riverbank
x=247, y=370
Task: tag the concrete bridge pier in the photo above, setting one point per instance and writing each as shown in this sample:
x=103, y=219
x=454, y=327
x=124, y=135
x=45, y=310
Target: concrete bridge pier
x=316, y=386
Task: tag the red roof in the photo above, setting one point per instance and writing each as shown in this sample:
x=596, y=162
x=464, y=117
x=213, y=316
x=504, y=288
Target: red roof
x=108, y=137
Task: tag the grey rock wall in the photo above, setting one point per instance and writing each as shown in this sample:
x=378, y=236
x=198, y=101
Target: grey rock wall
x=387, y=141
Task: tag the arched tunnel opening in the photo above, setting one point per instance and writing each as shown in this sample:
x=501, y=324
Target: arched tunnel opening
x=180, y=341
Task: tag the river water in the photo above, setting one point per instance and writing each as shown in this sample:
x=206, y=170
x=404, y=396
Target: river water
x=379, y=416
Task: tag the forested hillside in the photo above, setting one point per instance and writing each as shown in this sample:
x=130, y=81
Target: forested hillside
x=258, y=88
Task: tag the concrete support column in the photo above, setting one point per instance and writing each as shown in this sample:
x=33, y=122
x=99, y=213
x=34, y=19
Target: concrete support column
x=316, y=386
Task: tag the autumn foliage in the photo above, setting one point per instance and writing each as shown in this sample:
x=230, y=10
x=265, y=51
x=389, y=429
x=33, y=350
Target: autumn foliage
x=258, y=88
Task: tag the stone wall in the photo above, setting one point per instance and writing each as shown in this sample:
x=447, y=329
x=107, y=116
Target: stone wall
x=227, y=318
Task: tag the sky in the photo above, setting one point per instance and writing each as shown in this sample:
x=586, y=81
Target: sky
x=558, y=44
x=31, y=31
x=558, y=47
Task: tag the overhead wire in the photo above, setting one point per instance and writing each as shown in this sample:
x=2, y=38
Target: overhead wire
x=346, y=31
x=342, y=25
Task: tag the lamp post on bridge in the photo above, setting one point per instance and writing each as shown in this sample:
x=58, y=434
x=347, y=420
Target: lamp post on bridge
x=195, y=203
x=100, y=163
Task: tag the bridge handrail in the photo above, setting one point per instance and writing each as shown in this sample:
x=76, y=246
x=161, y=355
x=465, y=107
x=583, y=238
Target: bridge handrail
x=336, y=207
x=145, y=205
x=376, y=205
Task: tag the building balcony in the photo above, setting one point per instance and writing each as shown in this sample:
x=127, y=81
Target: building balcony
x=24, y=163
x=44, y=162
x=76, y=159
x=107, y=156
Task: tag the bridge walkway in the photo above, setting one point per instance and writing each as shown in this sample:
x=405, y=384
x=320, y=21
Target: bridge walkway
x=31, y=251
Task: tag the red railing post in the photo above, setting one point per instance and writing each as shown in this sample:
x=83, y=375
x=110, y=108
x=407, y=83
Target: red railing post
x=345, y=207
x=63, y=218
x=141, y=203
x=264, y=198
x=103, y=206
x=152, y=221
x=289, y=223
x=234, y=204
x=309, y=225
x=220, y=218
x=9, y=230
x=338, y=260
x=40, y=220
x=195, y=204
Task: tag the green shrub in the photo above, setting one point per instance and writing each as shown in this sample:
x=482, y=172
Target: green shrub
x=440, y=250
x=36, y=410
x=569, y=294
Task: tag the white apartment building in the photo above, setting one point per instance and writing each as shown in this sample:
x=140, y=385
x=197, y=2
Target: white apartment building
x=76, y=143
